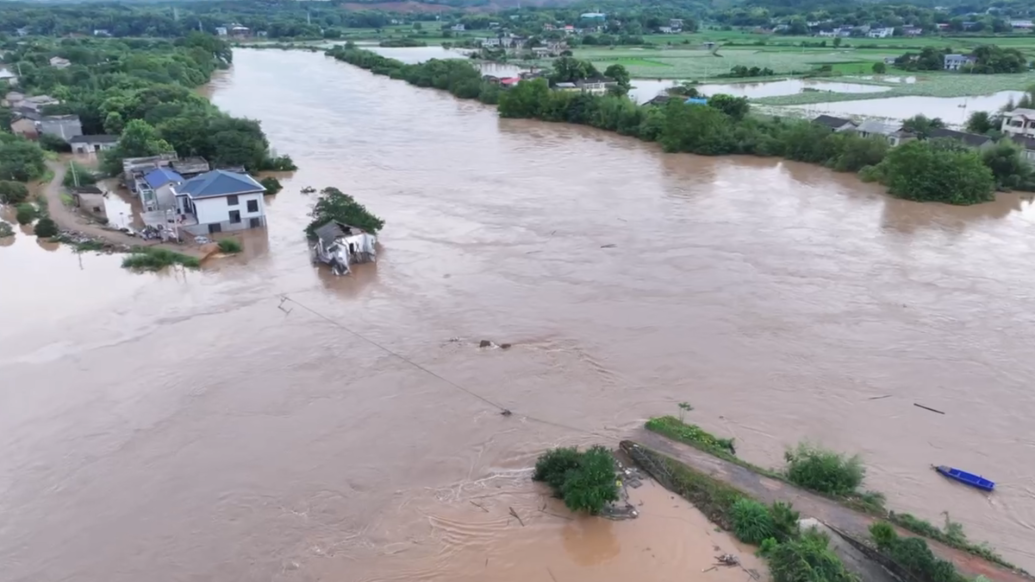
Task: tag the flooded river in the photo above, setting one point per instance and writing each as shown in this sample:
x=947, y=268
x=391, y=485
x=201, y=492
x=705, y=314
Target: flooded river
x=195, y=426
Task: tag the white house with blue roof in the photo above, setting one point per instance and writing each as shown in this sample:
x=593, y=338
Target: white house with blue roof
x=221, y=201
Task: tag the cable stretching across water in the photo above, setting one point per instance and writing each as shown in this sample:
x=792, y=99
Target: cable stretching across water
x=501, y=408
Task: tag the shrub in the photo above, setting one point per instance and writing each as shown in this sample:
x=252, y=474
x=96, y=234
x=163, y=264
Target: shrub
x=13, y=192
x=271, y=184
x=785, y=521
x=824, y=471
x=78, y=172
x=807, y=559
x=155, y=259
x=5, y=229
x=752, y=522
x=46, y=228
x=913, y=555
x=584, y=480
x=229, y=246
x=928, y=171
x=26, y=213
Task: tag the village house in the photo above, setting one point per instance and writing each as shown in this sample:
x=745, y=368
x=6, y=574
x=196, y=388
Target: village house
x=25, y=127
x=8, y=77
x=37, y=103
x=881, y=32
x=973, y=140
x=1020, y=121
x=190, y=167
x=102, y=32
x=595, y=85
x=340, y=246
x=488, y=42
x=221, y=31
x=134, y=169
x=30, y=124
x=60, y=63
x=90, y=199
x=220, y=201
x=1022, y=24
x=458, y=27
x=912, y=31
x=1027, y=147
x=956, y=62
x=157, y=190
x=88, y=144
x=566, y=87
x=239, y=31
x=23, y=31
x=892, y=133
x=12, y=99
x=835, y=123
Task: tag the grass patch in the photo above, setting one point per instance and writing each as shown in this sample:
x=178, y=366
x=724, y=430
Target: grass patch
x=155, y=259
x=229, y=246
x=67, y=199
x=691, y=434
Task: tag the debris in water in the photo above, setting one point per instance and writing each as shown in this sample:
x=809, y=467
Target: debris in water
x=485, y=344
x=927, y=408
x=608, y=246
x=505, y=346
x=514, y=513
x=506, y=412
x=728, y=560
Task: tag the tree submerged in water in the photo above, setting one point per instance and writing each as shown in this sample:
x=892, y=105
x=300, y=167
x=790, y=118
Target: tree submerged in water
x=335, y=205
x=584, y=480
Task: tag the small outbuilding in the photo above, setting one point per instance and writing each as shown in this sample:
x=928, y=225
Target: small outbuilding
x=340, y=246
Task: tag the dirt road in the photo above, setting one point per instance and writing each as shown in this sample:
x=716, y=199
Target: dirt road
x=67, y=219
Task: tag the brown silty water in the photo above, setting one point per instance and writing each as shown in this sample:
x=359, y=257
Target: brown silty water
x=181, y=426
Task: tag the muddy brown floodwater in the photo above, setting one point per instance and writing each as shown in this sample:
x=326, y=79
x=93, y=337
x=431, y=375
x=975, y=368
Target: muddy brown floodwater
x=181, y=426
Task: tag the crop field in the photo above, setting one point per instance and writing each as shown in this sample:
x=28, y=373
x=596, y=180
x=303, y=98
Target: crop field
x=699, y=64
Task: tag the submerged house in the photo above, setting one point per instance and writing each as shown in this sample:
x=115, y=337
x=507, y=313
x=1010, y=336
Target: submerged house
x=340, y=245
x=220, y=201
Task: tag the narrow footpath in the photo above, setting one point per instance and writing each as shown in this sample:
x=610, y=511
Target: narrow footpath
x=830, y=512
x=68, y=220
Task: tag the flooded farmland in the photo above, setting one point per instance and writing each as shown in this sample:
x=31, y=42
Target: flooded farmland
x=198, y=425
x=952, y=110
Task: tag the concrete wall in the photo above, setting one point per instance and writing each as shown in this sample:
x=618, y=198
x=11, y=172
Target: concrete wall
x=217, y=211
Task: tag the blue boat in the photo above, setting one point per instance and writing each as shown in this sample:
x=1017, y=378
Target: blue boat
x=966, y=478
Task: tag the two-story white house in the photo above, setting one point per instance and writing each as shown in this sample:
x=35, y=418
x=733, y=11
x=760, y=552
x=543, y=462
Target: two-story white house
x=220, y=201
x=1020, y=121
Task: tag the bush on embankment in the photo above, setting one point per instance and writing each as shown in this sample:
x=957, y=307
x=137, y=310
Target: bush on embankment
x=156, y=259
x=46, y=228
x=13, y=192
x=584, y=480
x=913, y=555
x=26, y=213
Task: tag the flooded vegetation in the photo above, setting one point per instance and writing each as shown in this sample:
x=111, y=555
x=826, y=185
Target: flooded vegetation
x=790, y=302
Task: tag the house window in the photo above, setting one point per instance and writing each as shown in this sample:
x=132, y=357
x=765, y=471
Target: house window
x=253, y=206
x=235, y=216
x=231, y=200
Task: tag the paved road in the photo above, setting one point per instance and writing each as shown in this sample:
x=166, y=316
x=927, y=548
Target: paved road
x=768, y=491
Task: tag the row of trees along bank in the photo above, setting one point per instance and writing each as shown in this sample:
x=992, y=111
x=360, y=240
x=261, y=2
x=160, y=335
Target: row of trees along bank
x=923, y=170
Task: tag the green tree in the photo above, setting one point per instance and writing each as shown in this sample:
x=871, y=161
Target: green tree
x=20, y=159
x=1004, y=159
x=926, y=171
x=139, y=139
x=46, y=228
x=340, y=207
x=880, y=68
x=26, y=213
x=980, y=122
x=921, y=125
x=735, y=107
x=837, y=42
x=618, y=74
x=13, y=192
x=570, y=69
x=696, y=129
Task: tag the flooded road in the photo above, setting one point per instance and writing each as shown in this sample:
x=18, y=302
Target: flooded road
x=196, y=426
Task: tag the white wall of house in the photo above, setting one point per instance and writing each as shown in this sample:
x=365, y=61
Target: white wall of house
x=217, y=210
x=1018, y=125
